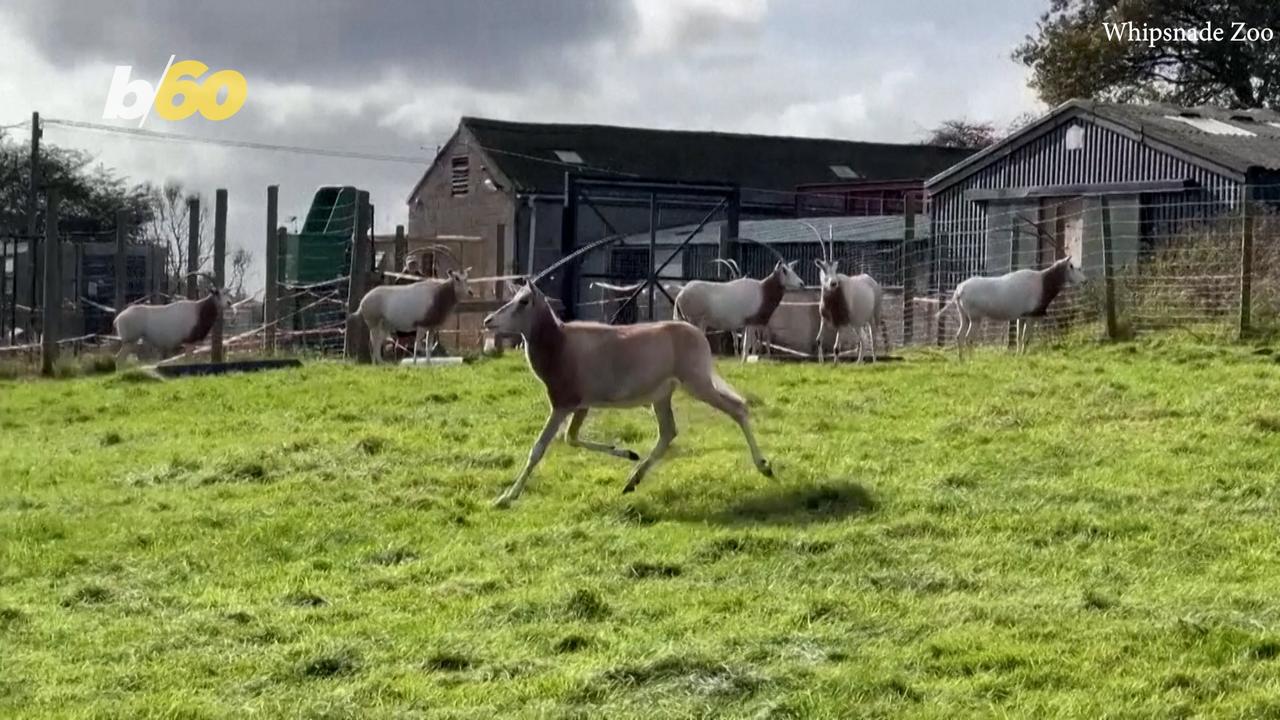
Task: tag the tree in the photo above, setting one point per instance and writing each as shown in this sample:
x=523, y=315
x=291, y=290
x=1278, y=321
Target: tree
x=168, y=227
x=1083, y=49
x=241, y=259
x=87, y=192
x=963, y=134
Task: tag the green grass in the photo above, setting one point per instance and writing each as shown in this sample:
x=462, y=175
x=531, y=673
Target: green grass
x=1085, y=532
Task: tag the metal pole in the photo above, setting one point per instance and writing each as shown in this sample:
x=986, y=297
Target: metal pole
x=1246, y=262
x=122, y=260
x=51, y=305
x=356, y=341
x=4, y=281
x=908, y=271
x=33, y=186
x=732, y=208
x=568, y=238
x=653, y=248
x=275, y=238
x=1108, y=271
x=1014, y=243
x=193, y=247
x=216, y=353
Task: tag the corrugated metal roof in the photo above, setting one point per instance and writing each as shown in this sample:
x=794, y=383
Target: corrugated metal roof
x=1253, y=140
x=526, y=153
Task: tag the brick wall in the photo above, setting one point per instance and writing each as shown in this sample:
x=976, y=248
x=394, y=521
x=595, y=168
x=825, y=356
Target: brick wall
x=434, y=210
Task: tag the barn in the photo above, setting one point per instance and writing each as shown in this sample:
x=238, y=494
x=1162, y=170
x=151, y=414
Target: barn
x=1039, y=193
x=504, y=182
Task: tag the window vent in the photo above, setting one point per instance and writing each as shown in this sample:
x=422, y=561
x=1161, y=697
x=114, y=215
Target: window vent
x=1075, y=138
x=460, y=178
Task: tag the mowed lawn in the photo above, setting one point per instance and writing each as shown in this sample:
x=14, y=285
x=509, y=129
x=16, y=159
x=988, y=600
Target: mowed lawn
x=1085, y=532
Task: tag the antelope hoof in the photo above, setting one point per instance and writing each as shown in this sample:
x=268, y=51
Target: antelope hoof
x=503, y=502
x=631, y=455
x=765, y=469
x=628, y=488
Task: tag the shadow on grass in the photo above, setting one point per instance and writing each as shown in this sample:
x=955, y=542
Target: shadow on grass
x=820, y=502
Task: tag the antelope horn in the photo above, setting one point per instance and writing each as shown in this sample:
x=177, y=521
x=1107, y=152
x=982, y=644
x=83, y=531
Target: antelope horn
x=733, y=270
x=607, y=240
x=443, y=250
x=770, y=248
x=826, y=252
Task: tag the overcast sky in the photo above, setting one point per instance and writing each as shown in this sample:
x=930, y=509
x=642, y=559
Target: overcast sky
x=394, y=76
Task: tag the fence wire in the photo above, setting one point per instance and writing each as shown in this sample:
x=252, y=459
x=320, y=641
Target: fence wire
x=1171, y=266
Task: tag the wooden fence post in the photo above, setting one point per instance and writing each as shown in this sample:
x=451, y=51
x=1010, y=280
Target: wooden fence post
x=122, y=260
x=51, y=303
x=400, y=250
x=1108, y=272
x=356, y=341
x=193, y=247
x=271, y=271
x=1246, y=262
x=216, y=351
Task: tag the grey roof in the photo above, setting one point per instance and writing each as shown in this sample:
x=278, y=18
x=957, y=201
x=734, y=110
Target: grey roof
x=526, y=154
x=1237, y=153
x=860, y=228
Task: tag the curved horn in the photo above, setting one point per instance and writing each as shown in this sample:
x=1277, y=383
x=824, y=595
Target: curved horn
x=732, y=266
x=826, y=251
x=212, y=281
x=770, y=248
x=436, y=248
x=607, y=240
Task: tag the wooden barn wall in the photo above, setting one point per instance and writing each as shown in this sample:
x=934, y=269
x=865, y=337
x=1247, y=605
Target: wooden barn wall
x=960, y=226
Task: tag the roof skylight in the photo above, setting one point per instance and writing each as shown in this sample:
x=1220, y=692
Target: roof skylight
x=1211, y=126
x=569, y=156
x=844, y=172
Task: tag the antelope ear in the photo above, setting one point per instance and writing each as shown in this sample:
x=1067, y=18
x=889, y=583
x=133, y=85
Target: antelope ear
x=792, y=264
x=466, y=271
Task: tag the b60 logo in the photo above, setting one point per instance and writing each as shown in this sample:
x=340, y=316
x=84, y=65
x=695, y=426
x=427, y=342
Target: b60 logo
x=181, y=93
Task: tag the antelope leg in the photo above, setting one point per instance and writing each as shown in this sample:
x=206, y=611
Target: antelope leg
x=666, y=433
x=554, y=421
x=376, y=337
x=571, y=437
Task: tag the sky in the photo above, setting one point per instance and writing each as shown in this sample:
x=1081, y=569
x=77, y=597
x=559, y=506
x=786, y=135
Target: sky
x=394, y=76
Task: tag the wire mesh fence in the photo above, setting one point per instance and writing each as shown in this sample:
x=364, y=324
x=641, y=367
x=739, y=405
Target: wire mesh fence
x=1153, y=265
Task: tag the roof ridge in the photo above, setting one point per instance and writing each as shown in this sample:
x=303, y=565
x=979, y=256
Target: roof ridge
x=472, y=120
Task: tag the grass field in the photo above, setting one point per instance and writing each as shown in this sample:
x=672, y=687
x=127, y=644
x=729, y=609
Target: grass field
x=1085, y=532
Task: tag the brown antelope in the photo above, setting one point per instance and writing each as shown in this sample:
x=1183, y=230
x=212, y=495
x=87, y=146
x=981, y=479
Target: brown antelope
x=585, y=365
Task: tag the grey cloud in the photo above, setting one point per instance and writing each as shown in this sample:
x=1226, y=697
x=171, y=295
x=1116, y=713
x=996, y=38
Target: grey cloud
x=483, y=43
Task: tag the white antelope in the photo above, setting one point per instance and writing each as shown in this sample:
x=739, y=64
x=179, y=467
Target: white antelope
x=847, y=302
x=168, y=327
x=586, y=365
x=1021, y=296
x=743, y=304
x=418, y=307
